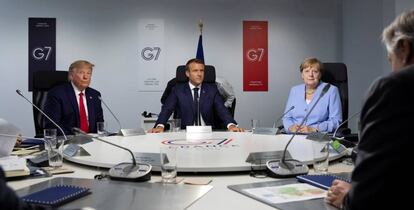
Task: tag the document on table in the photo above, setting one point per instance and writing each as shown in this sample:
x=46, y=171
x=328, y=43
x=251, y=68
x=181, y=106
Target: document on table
x=286, y=193
x=12, y=163
x=8, y=136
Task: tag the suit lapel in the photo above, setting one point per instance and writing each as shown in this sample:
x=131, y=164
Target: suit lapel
x=203, y=96
x=73, y=101
x=189, y=96
x=89, y=103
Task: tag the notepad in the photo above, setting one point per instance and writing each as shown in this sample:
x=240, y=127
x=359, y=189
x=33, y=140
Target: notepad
x=322, y=181
x=56, y=195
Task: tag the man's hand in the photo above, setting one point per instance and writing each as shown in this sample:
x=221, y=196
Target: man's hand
x=337, y=192
x=18, y=140
x=158, y=129
x=234, y=128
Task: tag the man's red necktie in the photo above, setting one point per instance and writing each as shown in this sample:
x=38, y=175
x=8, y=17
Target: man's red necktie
x=82, y=112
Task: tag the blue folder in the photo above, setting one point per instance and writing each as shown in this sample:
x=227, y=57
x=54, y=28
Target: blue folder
x=56, y=195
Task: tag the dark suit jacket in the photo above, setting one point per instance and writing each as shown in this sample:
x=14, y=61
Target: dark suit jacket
x=9, y=199
x=182, y=99
x=62, y=106
x=385, y=151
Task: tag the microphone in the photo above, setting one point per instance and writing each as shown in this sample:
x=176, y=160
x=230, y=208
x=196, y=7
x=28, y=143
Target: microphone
x=338, y=144
x=292, y=167
x=336, y=130
x=123, y=132
x=148, y=114
x=124, y=171
x=110, y=111
x=44, y=114
x=277, y=121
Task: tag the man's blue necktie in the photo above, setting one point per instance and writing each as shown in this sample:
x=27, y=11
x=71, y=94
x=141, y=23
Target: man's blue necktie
x=196, y=107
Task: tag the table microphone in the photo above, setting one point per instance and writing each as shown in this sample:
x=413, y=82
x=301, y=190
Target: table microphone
x=336, y=130
x=277, y=121
x=338, y=143
x=44, y=114
x=110, y=111
x=123, y=132
x=124, y=171
x=292, y=167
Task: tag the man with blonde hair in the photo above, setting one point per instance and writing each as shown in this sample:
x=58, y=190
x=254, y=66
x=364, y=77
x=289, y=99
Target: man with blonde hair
x=75, y=104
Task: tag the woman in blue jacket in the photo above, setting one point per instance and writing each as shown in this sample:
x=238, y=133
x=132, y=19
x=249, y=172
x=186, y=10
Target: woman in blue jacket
x=327, y=114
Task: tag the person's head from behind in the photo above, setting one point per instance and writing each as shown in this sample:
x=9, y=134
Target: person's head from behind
x=80, y=73
x=194, y=70
x=398, y=38
x=311, y=71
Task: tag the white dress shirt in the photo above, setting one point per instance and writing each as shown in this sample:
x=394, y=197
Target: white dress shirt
x=77, y=91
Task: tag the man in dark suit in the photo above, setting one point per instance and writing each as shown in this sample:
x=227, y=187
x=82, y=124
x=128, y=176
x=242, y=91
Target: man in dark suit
x=385, y=151
x=196, y=101
x=75, y=104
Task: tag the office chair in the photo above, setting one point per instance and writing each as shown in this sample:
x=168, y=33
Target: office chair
x=336, y=74
x=43, y=81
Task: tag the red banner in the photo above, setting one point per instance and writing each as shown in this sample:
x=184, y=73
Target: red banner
x=255, y=65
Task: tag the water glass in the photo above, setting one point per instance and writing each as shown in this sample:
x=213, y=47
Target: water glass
x=320, y=156
x=255, y=124
x=100, y=127
x=54, y=147
x=177, y=125
x=168, y=156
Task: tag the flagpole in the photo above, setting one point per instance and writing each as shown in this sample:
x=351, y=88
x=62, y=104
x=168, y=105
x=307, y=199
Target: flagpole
x=200, y=51
x=200, y=26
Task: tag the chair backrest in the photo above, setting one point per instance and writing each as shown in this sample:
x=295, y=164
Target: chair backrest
x=209, y=74
x=43, y=81
x=336, y=74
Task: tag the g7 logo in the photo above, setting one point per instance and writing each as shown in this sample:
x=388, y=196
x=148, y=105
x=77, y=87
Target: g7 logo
x=150, y=53
x=255, y=54
x=40, y=53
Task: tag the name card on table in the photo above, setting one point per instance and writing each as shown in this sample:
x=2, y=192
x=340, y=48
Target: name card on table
x=265, y=131
x=195, y=133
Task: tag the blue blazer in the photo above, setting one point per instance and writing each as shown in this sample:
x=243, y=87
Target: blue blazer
x=182, y=99
x=327, y=114
x=62, y=106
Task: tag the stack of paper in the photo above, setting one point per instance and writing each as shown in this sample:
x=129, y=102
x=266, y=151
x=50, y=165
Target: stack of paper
x=14, y=166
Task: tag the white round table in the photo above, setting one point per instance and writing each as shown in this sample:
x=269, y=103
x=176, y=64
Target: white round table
x=216, y=152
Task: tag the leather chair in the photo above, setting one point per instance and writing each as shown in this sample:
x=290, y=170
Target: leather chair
x=43, y=81
x=336, y=74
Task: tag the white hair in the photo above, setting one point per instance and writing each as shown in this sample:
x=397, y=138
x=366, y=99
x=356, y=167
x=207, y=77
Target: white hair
x=402, y=28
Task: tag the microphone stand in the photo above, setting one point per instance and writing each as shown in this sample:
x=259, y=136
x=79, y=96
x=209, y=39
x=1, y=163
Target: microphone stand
x=123, y=132
x=336, y=130
x=113, y=115
x=277, y=121
x=44, y=114
x=124, y=171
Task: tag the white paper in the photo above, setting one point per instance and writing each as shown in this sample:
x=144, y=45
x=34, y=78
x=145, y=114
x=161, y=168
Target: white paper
x=8, y=135
x=287, y=193
x=12, y=163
